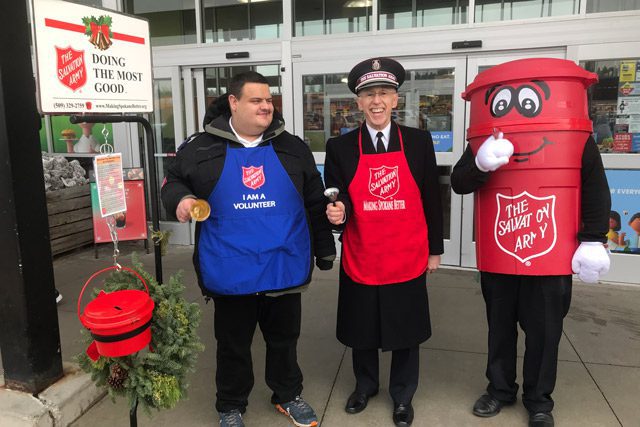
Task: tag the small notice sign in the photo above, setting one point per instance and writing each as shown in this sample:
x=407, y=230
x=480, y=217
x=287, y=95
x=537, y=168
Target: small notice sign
x=110, y=184
x=91, y=60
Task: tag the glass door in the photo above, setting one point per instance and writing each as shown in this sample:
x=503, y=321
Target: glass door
x=475, y=65
x=167, y=121
x=428, y=99
x=614, y=106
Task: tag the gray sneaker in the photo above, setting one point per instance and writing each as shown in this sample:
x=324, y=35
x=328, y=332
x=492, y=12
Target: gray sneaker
x=299, y=411
x=233, y=418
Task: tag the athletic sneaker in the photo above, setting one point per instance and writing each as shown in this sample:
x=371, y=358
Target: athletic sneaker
x=233, y=418
x=58, y=297
x=299, y=411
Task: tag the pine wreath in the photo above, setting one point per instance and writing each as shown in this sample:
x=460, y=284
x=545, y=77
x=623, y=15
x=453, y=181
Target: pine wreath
x=155, y=379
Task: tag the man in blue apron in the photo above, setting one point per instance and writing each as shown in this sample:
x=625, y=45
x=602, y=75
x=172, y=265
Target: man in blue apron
x=254, y=253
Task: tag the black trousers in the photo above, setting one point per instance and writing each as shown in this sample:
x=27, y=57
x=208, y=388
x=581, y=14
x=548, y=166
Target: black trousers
x=235, y=322
x=403, y=379
x=539, y=304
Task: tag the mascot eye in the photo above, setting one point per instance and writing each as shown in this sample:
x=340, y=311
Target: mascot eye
x=501, y=103
x=529, y=103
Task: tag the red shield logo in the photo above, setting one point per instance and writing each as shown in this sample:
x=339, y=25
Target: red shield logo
x=525, y=225
x=72, y=71
x=384, y=182
x=253, y=177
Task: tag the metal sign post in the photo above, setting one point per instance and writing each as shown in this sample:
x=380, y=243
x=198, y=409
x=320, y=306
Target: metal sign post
x=29, y=336
x=153, y=186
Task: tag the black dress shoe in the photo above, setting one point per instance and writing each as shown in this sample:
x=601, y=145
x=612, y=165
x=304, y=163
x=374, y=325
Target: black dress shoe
x=488, y=406
x=357, y=402
x=403, y=415
x=541, y=419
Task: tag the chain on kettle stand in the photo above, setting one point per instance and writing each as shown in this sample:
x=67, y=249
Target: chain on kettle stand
x=111, y=223
x=111, y=220
x=105, y=148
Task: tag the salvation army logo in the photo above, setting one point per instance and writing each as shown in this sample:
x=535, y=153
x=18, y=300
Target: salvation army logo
x=384, y=181
x=525, y=226
x=253, y=177
x=71, y=67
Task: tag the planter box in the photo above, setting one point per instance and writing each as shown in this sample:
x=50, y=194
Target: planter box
x=70, y=218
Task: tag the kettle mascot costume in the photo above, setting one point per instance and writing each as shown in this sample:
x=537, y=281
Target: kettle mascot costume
x=541, y=213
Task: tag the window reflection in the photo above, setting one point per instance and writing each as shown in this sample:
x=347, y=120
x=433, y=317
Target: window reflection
x=170, y=21
x=614, y=104
x=421, y=13
x=316, y=17
x=330, y=109
x=162, y=117
x=612, y=5
x=93, y=3
x=500, y=10
x=232, y=20
x=425, y=101
x=444, y=178
x=217, y=81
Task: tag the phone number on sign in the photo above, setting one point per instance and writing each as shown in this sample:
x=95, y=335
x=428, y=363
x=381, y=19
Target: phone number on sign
x=79, y=105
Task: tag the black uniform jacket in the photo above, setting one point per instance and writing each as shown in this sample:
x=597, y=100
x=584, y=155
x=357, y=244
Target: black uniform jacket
x=595, y=203
x=199, y=163
x=393, y=316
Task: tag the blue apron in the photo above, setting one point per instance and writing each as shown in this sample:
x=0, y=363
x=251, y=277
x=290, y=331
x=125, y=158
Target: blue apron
x=257, y=237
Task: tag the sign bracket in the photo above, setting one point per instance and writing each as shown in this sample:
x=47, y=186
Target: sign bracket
x=153, y=186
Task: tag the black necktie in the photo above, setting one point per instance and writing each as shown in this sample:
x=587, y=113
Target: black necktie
x=380, y=144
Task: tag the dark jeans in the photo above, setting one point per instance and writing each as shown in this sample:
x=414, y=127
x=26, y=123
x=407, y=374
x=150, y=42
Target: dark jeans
x=235, y=322
x=403, y=379
x=539, y=304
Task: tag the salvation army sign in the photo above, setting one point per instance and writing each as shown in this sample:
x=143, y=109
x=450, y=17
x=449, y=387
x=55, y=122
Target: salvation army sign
x=91, y=60
x=525, y=225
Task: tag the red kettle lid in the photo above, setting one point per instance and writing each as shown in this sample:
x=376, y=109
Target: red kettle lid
x=117, y=308
x=528, y=69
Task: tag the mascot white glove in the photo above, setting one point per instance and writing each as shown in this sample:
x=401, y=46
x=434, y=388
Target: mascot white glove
x=493, y=153
x=590, y=261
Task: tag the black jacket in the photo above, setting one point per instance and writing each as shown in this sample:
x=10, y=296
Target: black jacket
x=393, y=316
x=198, y=165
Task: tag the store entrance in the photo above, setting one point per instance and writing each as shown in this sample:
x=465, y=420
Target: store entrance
x=429, y=99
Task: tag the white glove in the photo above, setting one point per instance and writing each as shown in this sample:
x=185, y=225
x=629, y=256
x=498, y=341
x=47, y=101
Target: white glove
x=494, y=153
x=590, y=261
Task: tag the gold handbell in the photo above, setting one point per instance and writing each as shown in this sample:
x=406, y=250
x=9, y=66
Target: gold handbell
x=200, y=210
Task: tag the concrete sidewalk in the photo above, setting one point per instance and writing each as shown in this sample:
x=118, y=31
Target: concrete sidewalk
x=598, y=372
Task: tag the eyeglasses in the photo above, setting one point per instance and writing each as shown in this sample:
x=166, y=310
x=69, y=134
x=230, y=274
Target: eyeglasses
x=382, y=93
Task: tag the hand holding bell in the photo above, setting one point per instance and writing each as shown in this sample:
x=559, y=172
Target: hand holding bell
x=331, y=193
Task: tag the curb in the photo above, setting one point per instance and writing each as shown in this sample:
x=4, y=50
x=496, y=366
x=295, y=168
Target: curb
x=57, y=406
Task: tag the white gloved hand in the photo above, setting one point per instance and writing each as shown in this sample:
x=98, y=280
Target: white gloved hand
x=493, y=153
x=590, y=261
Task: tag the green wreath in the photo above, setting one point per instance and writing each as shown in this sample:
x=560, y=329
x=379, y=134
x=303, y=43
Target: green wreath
x=155, y=379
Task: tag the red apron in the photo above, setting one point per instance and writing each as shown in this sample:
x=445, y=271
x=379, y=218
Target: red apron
x=385, y=240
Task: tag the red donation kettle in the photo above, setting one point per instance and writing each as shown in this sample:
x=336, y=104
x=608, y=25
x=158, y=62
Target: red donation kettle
x=120, y=321
x=527, y=214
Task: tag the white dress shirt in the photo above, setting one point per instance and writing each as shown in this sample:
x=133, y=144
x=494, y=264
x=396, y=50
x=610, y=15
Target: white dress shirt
x=385, y=136
x=246, y=143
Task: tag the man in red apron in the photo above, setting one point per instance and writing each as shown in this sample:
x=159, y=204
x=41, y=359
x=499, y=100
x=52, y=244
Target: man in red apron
x=255, y=252
x=390, y=212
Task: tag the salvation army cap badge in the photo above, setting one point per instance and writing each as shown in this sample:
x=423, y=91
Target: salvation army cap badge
x=376, y=72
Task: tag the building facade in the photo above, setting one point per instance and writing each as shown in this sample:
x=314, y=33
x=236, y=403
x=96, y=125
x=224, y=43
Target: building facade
x=307, y=47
